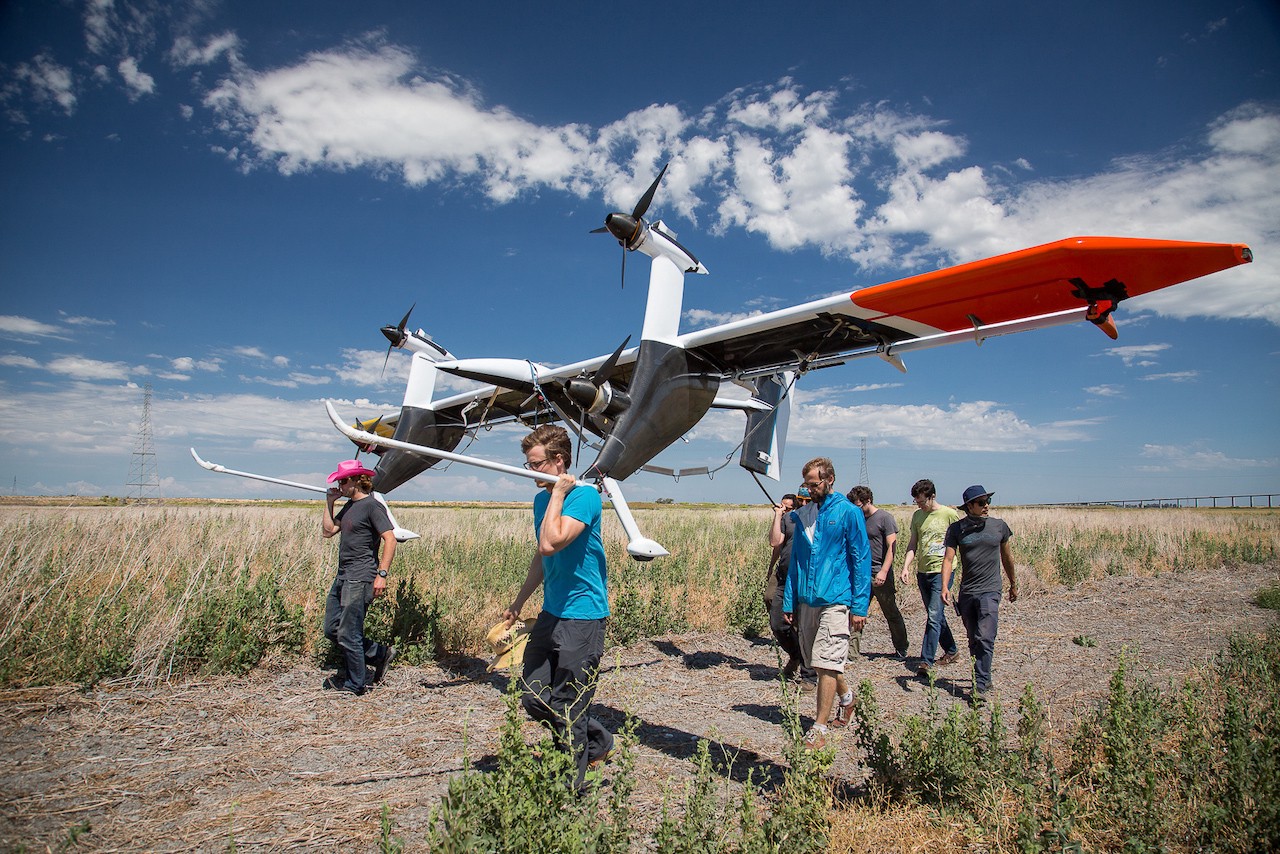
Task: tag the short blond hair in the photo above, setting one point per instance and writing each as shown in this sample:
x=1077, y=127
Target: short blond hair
x=826, y=468
x=554, y=438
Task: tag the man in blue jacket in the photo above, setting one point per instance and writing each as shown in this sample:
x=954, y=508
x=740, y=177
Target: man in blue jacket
x=828, y=589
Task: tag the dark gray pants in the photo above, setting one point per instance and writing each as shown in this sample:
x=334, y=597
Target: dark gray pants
x=561, y=665
x=981, y=617
x=887, y=596
x=783, y=632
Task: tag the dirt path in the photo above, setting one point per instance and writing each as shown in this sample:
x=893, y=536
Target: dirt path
x=258, y=761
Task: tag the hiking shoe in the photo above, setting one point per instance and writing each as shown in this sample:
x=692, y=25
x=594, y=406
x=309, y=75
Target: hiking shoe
x=815, y=738
x=923, y=670
x=380, y=667
x=333, y=683
x=949, y=657
x=601, y=760
x=844, y=714
x=900, y=655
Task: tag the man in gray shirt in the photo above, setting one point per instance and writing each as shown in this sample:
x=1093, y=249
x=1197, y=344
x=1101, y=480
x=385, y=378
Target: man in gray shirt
x=882, y=533
x=983, y=543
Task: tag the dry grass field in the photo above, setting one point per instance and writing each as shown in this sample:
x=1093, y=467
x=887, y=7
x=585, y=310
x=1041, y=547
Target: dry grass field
x=161, y=665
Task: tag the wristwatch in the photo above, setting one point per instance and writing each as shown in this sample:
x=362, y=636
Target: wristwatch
x=382, y=573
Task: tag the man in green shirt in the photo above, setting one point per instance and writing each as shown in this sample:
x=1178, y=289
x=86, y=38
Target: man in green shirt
x=925, y=551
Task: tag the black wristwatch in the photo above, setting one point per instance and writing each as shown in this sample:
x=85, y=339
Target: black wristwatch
x=382, y=573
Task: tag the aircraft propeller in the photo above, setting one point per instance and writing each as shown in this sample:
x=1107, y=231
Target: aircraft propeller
x=396, y=335
x=629, y=229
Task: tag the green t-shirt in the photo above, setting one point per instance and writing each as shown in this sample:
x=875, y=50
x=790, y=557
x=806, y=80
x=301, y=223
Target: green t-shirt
x=929, y=531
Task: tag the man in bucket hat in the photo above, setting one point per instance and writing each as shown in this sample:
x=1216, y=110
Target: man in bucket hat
x=364, y=555
x=983, y=543
x=566, y=644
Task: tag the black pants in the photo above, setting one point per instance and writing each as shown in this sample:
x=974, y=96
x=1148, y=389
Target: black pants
x=561, y=664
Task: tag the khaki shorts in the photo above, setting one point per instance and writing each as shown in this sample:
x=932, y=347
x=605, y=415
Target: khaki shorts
x=824, y=635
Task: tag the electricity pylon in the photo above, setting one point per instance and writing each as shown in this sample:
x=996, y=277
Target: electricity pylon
x=144, y=477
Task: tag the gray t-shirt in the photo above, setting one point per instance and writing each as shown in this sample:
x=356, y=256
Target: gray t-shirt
x=363, y=523
x=879, y=526
x=978, y=542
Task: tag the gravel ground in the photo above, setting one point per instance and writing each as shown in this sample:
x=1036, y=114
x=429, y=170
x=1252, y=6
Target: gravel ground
x=255, y=761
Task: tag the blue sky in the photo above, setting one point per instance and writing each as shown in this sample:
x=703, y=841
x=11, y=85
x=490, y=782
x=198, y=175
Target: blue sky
x=226, y=200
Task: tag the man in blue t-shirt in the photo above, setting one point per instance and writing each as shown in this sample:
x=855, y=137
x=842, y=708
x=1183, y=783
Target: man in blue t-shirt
x=562, y=658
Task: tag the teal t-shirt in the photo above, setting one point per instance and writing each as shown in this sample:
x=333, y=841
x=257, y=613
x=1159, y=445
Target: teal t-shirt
x=575, y=579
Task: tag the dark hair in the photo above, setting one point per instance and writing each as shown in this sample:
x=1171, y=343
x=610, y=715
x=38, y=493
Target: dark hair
x=923, y=487
x=861, y=493
x=364, y=483
x=554, y=438
x=790, y=495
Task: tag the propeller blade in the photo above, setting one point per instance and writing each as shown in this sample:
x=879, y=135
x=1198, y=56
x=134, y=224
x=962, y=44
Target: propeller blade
x=605, y=371
x=601, y=230
x=643, y=204
x=395, y=335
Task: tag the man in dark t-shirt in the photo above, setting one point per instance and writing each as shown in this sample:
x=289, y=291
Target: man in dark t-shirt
x=782, y=530
x=983, y=543
x=365, y=552
x=882, y=534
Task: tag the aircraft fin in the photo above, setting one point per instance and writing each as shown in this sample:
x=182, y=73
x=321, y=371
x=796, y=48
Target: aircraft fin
x=766, y=433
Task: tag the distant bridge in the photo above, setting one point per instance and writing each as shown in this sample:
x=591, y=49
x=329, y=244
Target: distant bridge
x=1256, y=500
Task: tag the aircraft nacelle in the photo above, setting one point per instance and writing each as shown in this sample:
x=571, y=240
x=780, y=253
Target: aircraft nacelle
x=597, y=400
x=677, y=388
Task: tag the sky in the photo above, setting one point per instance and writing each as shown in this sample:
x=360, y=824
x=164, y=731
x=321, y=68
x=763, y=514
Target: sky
x=226, y=200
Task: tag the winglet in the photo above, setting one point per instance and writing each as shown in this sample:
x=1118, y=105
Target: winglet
x=1099, y=314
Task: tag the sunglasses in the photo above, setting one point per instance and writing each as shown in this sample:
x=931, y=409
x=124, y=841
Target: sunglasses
x=981, y=502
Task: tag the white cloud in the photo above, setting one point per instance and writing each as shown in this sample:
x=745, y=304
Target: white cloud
x=80, y=320
x=12, y=361
x=188, y=364
x=1136, y=354
x=24, y=327
x=1167, y=458
x=1173, y=376
x=700, y=318
x=49, y=82
x=776, y=160
x=185, y=51
x=967, y=426
x=84, y=368
x=1105, y=390
x=137, y=82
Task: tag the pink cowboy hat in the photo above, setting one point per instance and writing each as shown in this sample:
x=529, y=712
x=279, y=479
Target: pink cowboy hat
x=349, y=468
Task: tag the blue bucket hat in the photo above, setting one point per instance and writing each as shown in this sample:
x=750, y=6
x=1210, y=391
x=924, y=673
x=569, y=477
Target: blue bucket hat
x=975, y=492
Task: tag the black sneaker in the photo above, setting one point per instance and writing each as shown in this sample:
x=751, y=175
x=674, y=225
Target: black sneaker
x=380, y=666
x=333, y=683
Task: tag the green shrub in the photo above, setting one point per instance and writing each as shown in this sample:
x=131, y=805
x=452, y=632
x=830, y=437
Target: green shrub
x=1073, y=564
x=231, y=630
x=1268, y=597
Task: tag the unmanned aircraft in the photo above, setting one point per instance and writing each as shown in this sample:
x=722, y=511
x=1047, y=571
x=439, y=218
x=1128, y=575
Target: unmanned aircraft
x=631, y=404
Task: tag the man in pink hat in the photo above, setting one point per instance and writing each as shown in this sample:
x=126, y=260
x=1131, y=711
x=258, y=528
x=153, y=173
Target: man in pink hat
x=364, y=555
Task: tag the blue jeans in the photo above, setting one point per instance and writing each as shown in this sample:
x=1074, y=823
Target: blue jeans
x=981, y=616
x=936, y=630
x=344, y=612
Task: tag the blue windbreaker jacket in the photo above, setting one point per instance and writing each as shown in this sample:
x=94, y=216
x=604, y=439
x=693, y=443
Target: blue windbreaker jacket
x=830, y=557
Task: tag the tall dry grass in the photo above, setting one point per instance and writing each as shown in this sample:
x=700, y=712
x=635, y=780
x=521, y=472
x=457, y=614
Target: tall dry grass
x=107, y=592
